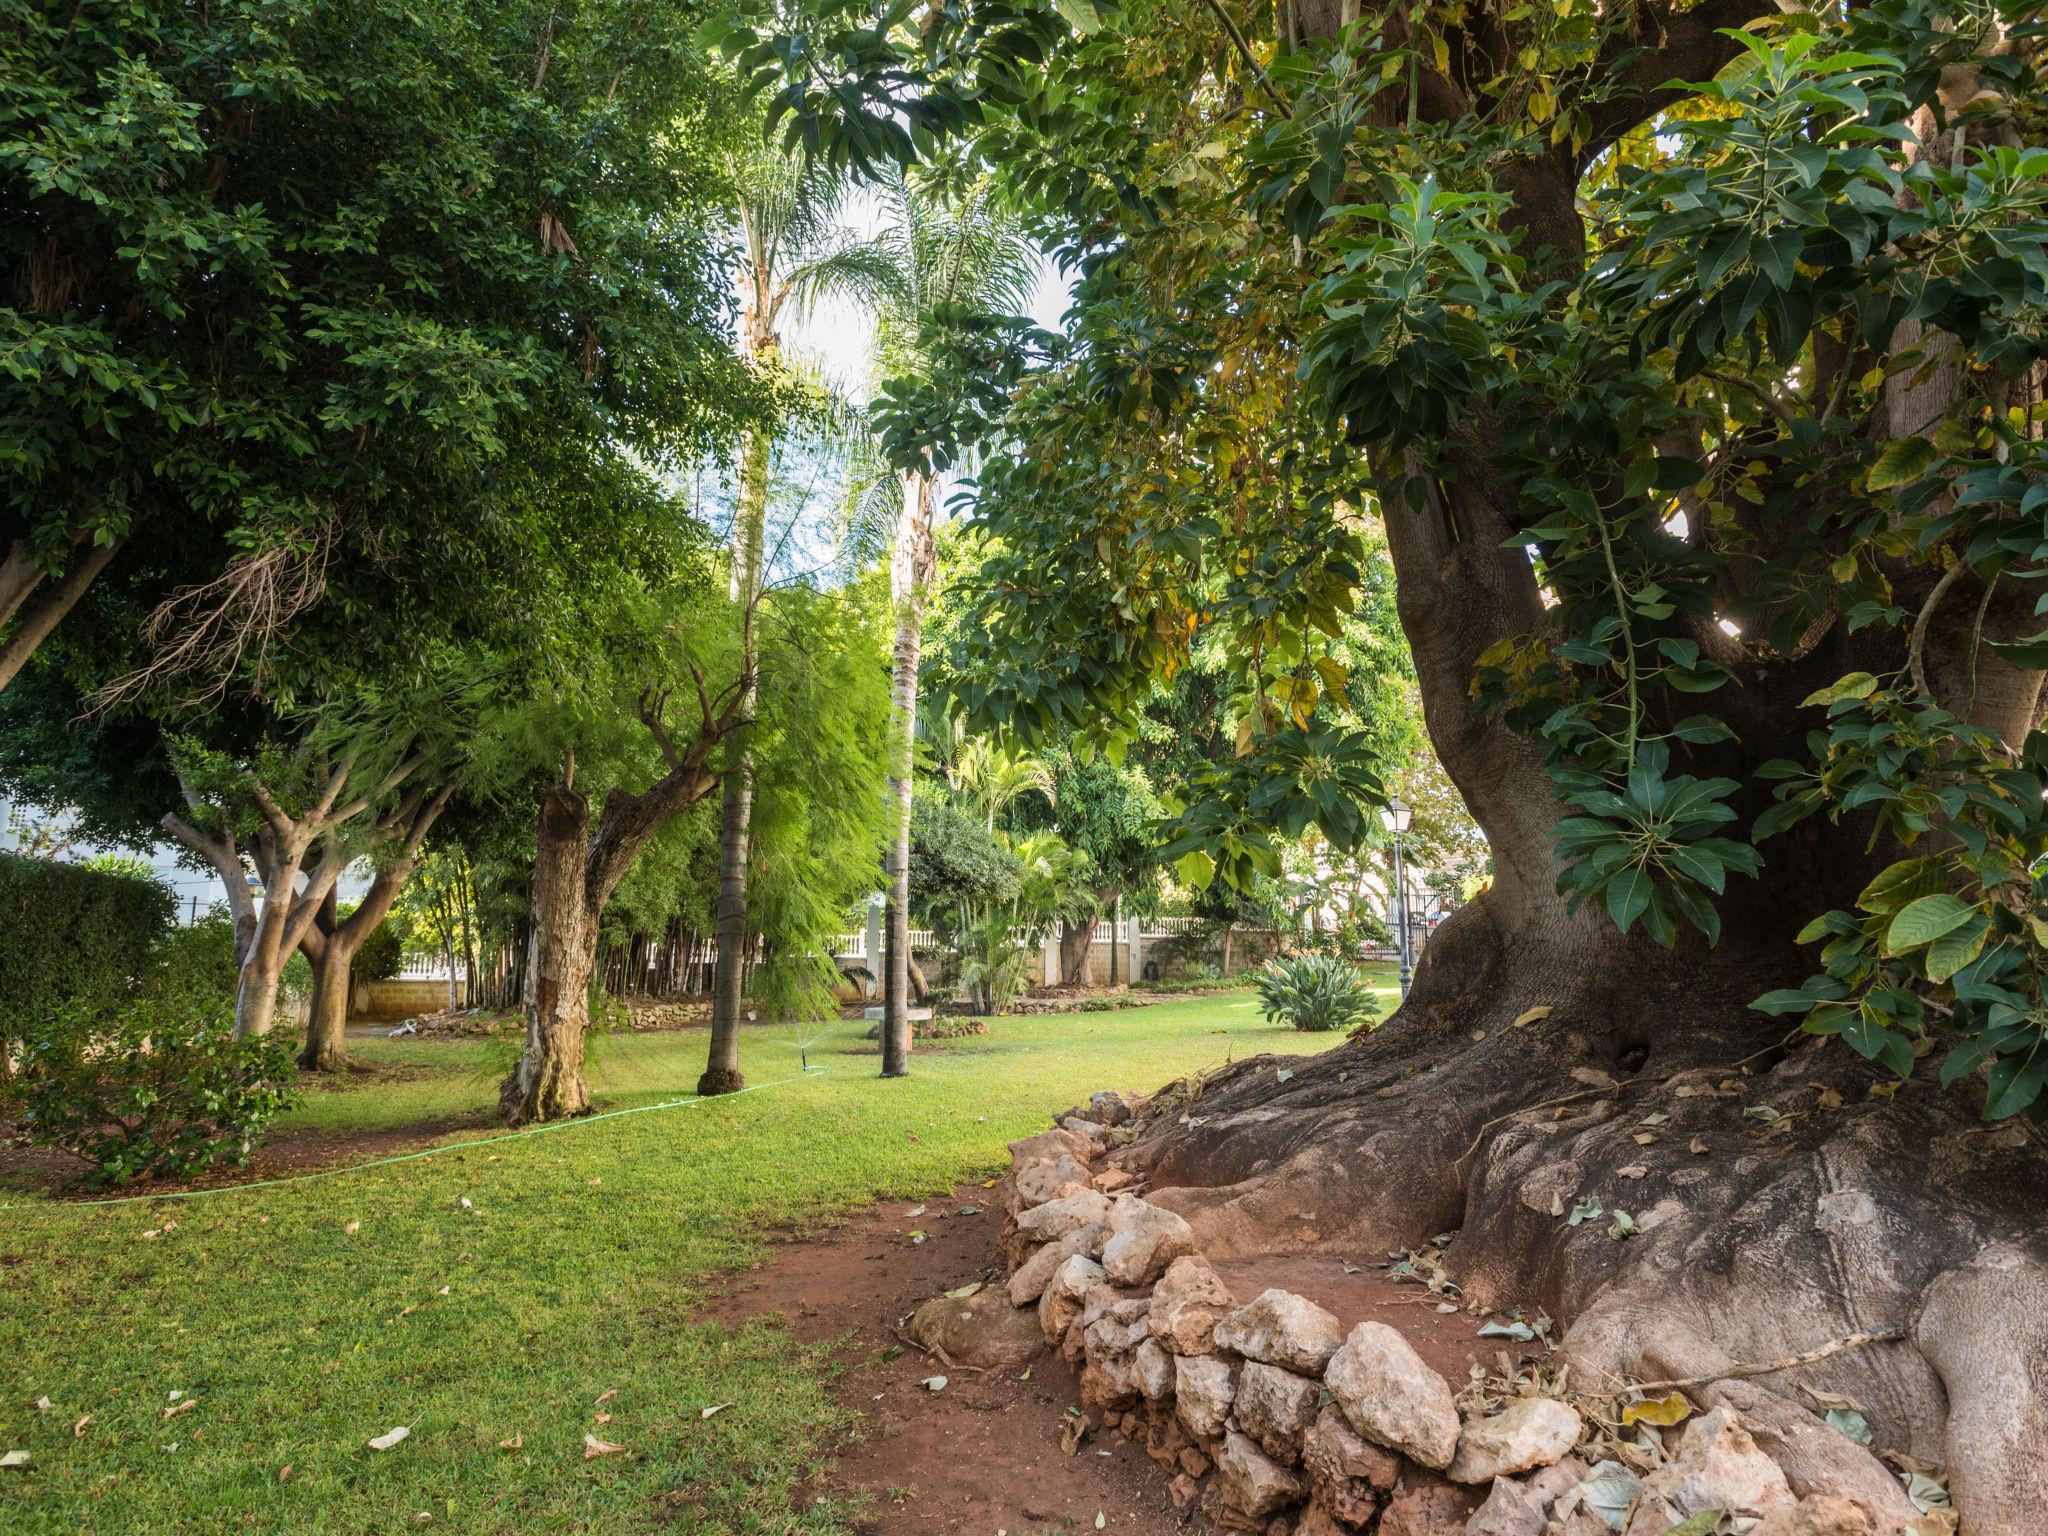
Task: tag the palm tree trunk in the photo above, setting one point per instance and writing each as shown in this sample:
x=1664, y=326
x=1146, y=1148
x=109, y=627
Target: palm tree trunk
x=722, y=1069
x=911, y=573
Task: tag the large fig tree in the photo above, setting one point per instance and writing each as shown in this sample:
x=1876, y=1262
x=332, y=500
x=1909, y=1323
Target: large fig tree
x=1692, y=359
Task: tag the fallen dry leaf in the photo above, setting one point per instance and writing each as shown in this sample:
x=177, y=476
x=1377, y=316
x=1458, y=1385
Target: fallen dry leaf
x=602, y=1417
x=177, y=1408
x=714, y=1408
x=389, y=1438
x=1632, y=1171
x=284, y=1473
x=352, y=1228
x=44, y=1405
x=1644, y=1138
x=1533, y=1015
x=14, y=1459
x=1699, y=1146
x=594, y=1448
x=605, y=1396
x=518, y=1440
x=79, y=1428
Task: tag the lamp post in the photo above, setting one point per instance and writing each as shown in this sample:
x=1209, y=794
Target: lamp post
x=1398, y=815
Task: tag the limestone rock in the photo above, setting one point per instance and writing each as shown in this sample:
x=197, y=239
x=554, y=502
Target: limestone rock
x=1042, y=1180
x=1153, y=1368
x=1281, y=1328
x=1056, y=1218
x=1424, y=1504
x=1509, y=1510
x=981, y=1330
x=1276, y=1408
x=1392, y=1398
x=1533, y=1432
x=1028, y=1283
x=1187, y=1304
x=1203, y=1392
x=1347, y=1472
x=1183, y=1490
x=1047, y=1145
x=1061, y=1302
x=1110, y=1180
x=1718, y=1466
x=1108, y=1381
x=1818, y=1514
x=1093, y=1131
x=1336, y=1452
x=1143, y=1240
x=1249, y=1484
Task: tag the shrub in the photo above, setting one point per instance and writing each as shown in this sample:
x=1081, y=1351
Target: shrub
x=192, y=969
x=1316, y=993
x=383, y=953
x=69, y=932
x=152, y=1088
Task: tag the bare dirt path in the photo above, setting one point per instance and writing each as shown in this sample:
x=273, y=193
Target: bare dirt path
x=983, y=1455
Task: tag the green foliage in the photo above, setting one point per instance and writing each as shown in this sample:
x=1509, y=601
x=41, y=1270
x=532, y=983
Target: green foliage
x=1784, y=401
x=956, y=862
x=192, y=968
x=382, y=955
x=152, y=1089
x=1315, y=993
x=70, y=933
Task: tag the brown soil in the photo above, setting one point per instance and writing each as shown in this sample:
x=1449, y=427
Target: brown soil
x=983, y=1454
x=49, y=1171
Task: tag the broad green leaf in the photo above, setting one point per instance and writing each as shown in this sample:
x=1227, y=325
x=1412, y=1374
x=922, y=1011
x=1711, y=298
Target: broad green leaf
x=1902, y=882
x=1900, y=462
x=1924, y=920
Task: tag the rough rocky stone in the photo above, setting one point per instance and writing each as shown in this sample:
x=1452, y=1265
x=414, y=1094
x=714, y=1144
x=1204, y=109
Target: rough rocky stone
x=982, y=1330
x=1110, y=1180
x=1533, y=1432
x=1094, y=1131
x=1818, y=1514
x=1110, y=1108
x=1347, y=1472
x=1193, y=1462
x=1425, y=1504
x=1335, y=1452
x=1061, y=1302
x=1318, y=1521
x=1717, y=1466
x=1143, y=1240
x=1042, y=1180
x=1187, y=1304
x=1047, y=1145
x=1276, y=1408
x=1249, y=1485
x=1281, y=1328
x=1108, y=1382
x=1056, y=1218
x=1509, y=1510
x=1153, y=1368
x=1392, y=1398
x=1028, y=1283
x=1183, y=1490
x=1203, y=1391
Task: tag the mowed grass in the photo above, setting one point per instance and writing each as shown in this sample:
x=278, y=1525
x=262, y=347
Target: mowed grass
x=494, y=1293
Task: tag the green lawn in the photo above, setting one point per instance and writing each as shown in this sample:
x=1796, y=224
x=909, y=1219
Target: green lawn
x=571, y=1272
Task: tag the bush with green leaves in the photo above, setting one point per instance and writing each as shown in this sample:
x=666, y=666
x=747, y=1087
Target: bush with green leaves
x=153, y=1088
x=1315, y=993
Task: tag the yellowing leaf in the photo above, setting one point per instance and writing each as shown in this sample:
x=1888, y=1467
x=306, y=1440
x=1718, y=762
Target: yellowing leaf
x=1540, y=1012
x=1660, y=1411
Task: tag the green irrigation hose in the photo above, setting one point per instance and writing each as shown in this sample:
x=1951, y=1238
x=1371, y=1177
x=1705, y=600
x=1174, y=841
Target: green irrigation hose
x=453, y=1146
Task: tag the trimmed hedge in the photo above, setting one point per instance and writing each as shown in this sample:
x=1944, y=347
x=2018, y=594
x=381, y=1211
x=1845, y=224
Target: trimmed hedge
x=69, y=934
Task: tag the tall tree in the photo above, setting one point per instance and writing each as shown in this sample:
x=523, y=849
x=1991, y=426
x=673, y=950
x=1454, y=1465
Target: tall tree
x=1703, y=420
x=794, y=250
x=953, y=254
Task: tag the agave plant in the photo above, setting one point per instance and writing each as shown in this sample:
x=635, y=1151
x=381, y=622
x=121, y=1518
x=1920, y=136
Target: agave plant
x=1316, y=993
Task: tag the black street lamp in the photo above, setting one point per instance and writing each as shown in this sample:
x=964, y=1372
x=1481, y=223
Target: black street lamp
x=1398, y=815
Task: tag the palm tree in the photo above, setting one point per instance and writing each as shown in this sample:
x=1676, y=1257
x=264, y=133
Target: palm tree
x=792, y=252
x=947, y=251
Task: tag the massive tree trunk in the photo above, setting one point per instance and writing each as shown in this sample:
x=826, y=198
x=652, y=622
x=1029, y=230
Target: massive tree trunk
x=722, y=1071
x=911, y=574
x=1787, y=1193
x=548, y=1082
x=575, y=872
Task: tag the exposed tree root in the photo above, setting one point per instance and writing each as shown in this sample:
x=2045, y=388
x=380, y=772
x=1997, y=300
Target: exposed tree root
x=1778, y=1196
